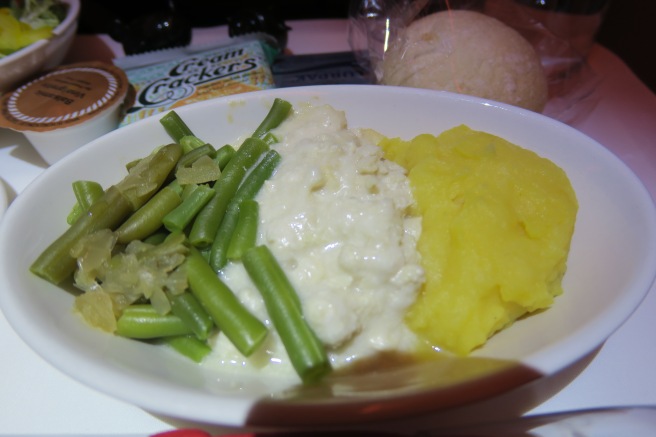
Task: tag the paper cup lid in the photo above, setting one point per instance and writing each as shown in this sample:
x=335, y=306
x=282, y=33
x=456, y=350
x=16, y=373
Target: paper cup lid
x=66, y=96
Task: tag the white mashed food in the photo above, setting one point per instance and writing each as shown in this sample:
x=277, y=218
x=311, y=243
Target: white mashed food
x=335, y=215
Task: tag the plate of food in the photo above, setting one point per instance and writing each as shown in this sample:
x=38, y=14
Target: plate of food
x=345, y=254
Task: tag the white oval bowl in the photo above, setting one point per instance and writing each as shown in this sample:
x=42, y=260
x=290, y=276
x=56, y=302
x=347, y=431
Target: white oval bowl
x=44, y=54
x=611, y=267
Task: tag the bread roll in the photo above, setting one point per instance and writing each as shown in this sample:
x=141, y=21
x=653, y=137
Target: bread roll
x=470, y=53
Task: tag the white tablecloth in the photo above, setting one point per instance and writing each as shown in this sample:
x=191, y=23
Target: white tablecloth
x=38, y=399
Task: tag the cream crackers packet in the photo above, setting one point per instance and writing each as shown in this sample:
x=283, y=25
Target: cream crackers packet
x=199, y=75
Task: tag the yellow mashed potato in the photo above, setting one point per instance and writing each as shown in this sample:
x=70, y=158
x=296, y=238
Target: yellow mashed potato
x=496, y=231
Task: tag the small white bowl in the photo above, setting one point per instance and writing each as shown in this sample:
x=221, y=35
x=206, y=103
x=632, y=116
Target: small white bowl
x=611, y=267
x=43, y=54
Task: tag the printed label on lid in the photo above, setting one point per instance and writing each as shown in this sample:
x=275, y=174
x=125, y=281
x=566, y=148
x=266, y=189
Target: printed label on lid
x=66, y=96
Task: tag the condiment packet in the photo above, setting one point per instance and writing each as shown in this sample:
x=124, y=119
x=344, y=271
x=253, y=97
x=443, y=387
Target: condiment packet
x=67, y=107
x=176, y=77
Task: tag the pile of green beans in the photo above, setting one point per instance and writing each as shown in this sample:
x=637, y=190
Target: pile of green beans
x=217, y=218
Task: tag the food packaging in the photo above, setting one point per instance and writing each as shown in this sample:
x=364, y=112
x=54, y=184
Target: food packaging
x=67, y=107
x=319, y=69
x=374, y=26
x=167, y=79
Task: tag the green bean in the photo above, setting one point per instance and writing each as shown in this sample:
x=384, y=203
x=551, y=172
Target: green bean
x=190, y=157
x=257, y=177
x=130, y=165
x=175, y=186
x=146, y=178
x=74, y=214
x=156, y=238
x=86, y=192
x=306, y=353
x=242, y=328
x=245, y=233
x=55, y=263
x=191, y=142
x=205, y=253
x=192, y=313
x=280, y=110
x=207, y=222
x=189, y=346
x=175, y=126
x=144, y=322
x=178, y=218
x=187, y=190
x=218, y=253
x=150, y=217
x=224, y=155
x=248, y=189
x=180, y=132
x=270, y=138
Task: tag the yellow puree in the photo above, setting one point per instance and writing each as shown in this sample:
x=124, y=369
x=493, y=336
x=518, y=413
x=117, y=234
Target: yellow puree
x=496, y=230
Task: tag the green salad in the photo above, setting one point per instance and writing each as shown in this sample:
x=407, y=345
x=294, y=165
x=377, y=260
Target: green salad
x=23, y=22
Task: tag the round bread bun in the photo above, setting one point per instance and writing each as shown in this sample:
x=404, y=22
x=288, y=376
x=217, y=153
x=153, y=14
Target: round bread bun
x=469, y=53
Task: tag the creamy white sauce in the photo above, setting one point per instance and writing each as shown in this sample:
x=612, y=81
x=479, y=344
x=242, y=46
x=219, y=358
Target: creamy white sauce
x=335, y=215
